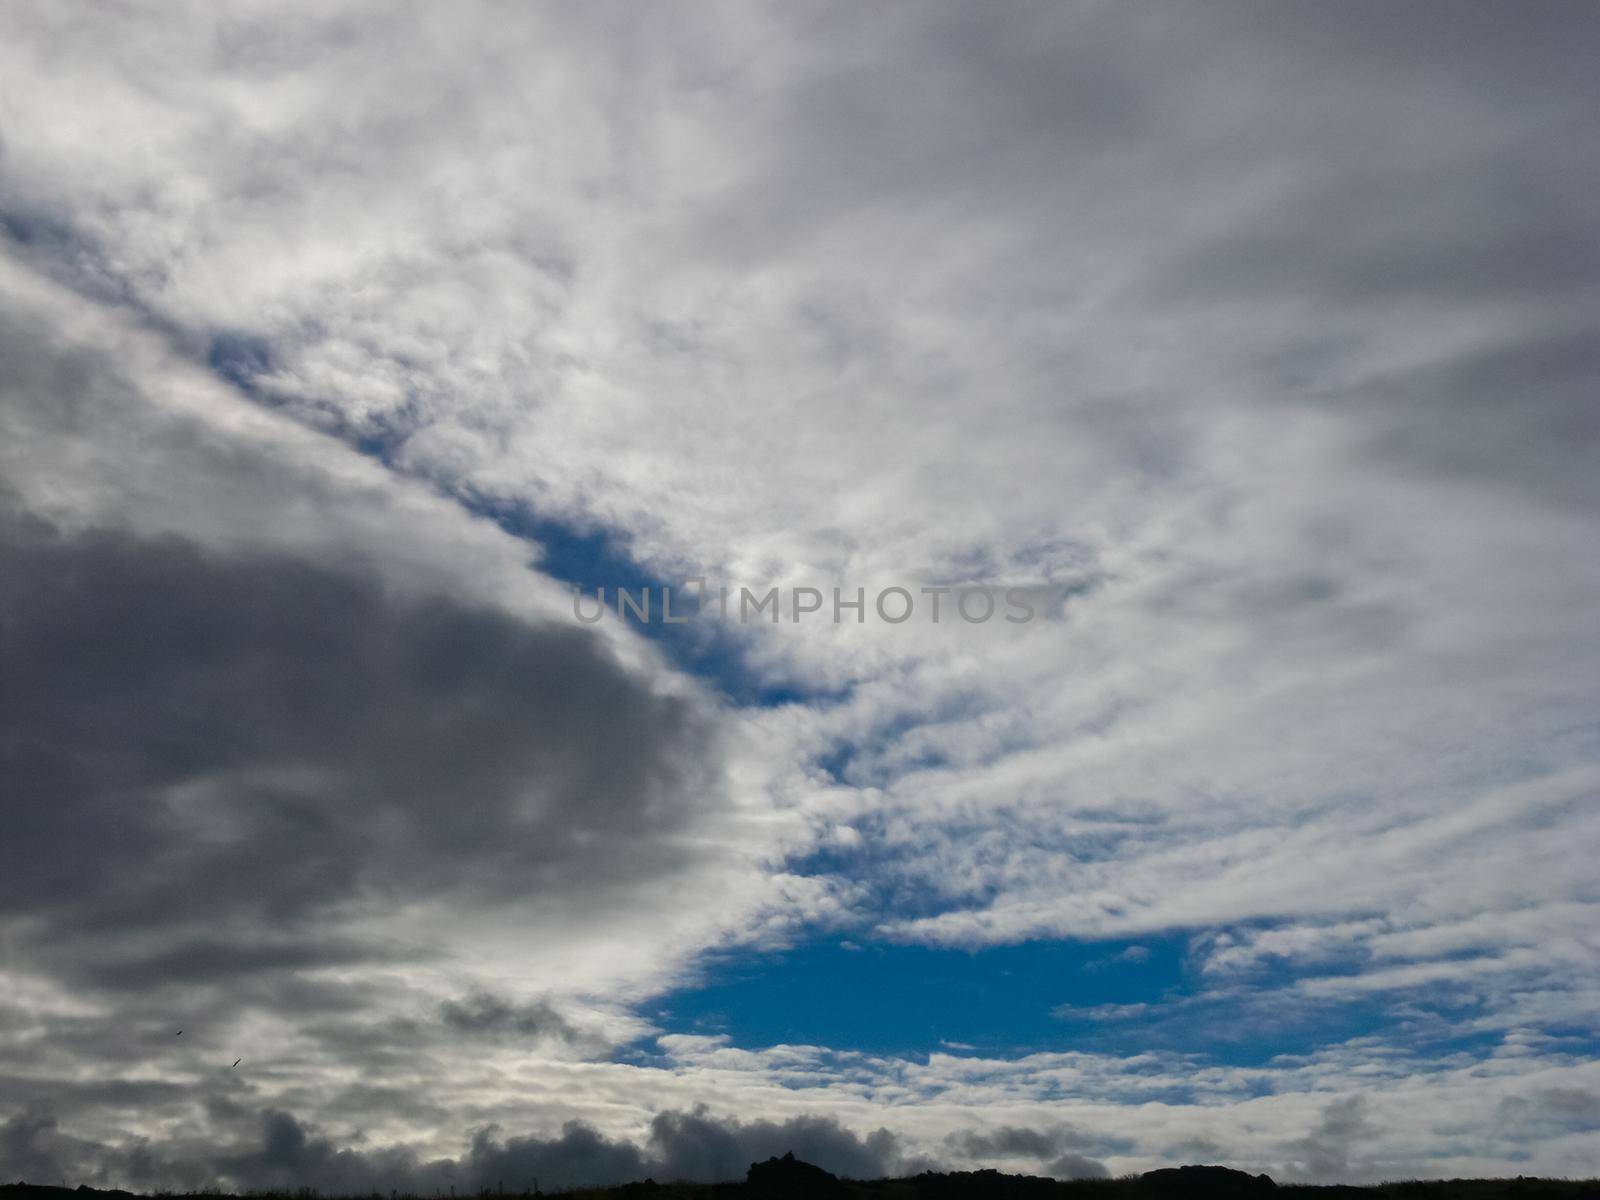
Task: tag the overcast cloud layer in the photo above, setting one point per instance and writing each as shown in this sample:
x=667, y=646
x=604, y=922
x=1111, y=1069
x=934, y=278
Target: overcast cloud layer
x=1264, y=334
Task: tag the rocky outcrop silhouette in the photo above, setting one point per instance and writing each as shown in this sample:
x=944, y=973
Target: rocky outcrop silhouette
x=1205, y=1183
x=788, y=1178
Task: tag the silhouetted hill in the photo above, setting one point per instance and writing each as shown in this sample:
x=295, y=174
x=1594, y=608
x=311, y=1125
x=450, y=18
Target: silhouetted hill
x=788, y=1178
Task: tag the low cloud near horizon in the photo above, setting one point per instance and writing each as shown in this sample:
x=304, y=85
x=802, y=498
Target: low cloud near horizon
x=287, y=1156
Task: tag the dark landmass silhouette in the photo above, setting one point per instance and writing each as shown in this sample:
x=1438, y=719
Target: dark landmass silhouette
x=788, y=1178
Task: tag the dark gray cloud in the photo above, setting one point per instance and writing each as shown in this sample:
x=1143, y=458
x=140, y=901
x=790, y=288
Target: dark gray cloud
x=345, y=747
x=487, y=1018
x=218, y=763
x=1077, y=1166
x=579, y=1155
x=1340, y=1145
x=291, y=1155
x=1063, y=1144
x=30, y=1148
x=483, y=1013
x=696, y=1145
x=1019, y=1140
x=278, y=1151
x=1551, y=1111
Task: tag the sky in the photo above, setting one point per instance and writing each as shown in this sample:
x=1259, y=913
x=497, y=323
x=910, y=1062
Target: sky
x=340, y=341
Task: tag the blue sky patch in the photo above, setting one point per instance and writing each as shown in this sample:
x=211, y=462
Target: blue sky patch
x=899, y=999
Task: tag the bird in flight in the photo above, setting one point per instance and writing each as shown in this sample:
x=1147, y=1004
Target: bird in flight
x=178, y=1034
x=236, y=1062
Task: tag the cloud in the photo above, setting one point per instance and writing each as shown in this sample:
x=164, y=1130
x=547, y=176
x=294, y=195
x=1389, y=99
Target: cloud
x=312, y=765
x=1341, y=1142
x=490, y=1015
x=578, y=1156
x=1076, y=1166
x=29, y=1148
x=1016, y=1140
x=1368, y=1109
x=1061, y=1144
x=1133, y=954
x=279, y=739
x=696, y=1145
x=1552, y=1111
x=286, y=1153
x=1263, y=332
x=290, y=1155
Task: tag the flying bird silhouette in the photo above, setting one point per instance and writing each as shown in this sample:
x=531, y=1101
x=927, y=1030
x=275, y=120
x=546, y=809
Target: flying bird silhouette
x=178, y=1034
x=236, y=1062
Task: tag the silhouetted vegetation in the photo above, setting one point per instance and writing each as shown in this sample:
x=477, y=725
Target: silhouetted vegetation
x=788, y=1178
